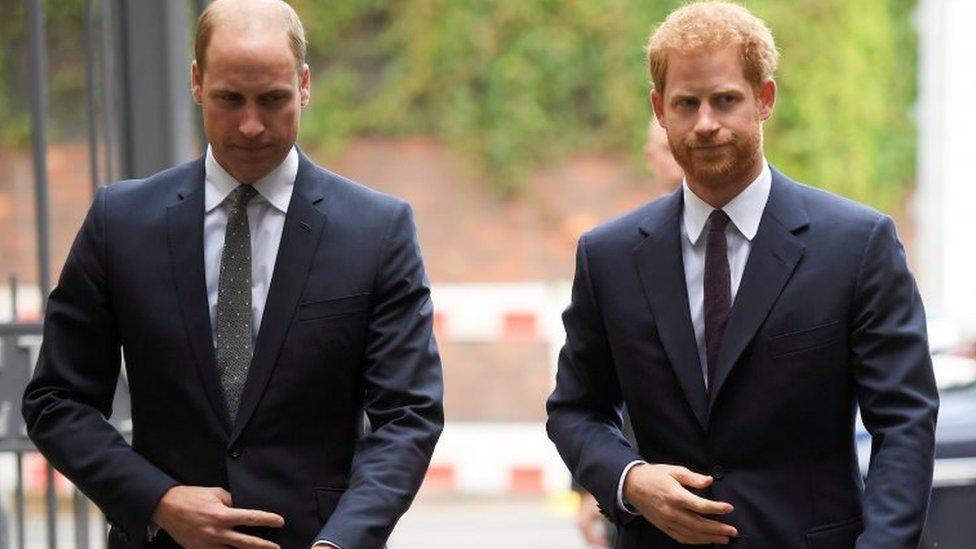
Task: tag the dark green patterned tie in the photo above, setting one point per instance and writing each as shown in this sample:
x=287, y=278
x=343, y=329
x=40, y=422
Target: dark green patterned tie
x=234, y=300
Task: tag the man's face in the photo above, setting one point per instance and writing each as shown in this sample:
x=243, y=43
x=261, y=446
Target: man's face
x=251, y=96
x=713, y=117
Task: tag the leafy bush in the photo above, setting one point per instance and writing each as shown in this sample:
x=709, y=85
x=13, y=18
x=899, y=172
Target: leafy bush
x=517, y=83
x=514, y=84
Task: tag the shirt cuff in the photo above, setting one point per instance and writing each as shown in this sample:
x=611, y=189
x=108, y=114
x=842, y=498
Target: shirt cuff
x=323, y=543
x=620, y=488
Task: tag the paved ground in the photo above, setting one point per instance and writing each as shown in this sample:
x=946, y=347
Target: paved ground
x=432, y=523
x=512, y=523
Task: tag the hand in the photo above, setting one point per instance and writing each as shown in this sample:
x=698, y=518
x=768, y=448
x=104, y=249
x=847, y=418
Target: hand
x=658, y=492
x=590, y=522
x=200, y=518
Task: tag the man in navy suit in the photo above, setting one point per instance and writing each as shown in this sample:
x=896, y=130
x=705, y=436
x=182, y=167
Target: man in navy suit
x=742, y=320
x=262, y=305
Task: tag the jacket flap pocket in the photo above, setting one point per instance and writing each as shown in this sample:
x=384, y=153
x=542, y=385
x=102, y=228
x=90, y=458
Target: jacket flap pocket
x=804, y=339
x=835, y=535
x=326, y=499
x=339, y=306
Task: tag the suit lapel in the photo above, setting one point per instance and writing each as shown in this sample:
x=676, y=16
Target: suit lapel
x=299, y=239
x=661, y=270
x=775, y=253
x=184, y=226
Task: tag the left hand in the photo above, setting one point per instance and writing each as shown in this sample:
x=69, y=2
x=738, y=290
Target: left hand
x=591, y=524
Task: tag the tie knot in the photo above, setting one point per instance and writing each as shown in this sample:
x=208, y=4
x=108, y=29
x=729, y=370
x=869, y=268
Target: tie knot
x=242, y=195
x=717, y=220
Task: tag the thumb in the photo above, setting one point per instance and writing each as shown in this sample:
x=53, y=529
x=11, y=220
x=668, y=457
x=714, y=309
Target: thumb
x=690, y=479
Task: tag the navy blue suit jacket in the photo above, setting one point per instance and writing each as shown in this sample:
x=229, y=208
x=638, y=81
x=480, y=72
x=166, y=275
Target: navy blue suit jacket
x=347, y=328
x=827, y=316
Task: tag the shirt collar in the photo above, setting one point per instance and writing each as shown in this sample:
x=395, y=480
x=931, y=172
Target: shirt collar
x=745, y=210
x=275, y=187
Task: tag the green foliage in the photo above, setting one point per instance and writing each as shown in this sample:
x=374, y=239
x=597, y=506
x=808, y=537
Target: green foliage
x=847, y=88
x=515, y=84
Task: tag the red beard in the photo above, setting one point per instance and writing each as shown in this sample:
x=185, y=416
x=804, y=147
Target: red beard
x=734, y=157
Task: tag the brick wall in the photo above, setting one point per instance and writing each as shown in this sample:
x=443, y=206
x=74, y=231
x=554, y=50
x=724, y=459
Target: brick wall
x=468, y=235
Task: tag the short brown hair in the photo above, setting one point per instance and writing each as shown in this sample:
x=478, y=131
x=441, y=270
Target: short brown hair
x=293, y=26
x=708, y=25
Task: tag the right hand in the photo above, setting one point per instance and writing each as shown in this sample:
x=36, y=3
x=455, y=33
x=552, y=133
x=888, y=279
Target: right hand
x=659, y=493
x=197, y=517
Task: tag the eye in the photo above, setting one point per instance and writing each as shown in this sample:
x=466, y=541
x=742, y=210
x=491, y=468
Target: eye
x=273, y=99
x=727, y=99
x=228, y=98
x=687, y=103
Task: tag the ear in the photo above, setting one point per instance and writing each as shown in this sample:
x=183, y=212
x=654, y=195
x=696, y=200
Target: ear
x=305, y=85
x=657, y=103
x=196, y=82
x=767, y=98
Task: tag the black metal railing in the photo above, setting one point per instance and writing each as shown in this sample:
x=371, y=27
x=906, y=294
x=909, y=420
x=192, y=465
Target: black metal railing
x=136, y=125
x=19, y=346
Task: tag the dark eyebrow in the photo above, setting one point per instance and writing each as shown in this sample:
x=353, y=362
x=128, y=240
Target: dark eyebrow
x=734, y=91
x=225, y=93
x=284, y=92
x=681, y=96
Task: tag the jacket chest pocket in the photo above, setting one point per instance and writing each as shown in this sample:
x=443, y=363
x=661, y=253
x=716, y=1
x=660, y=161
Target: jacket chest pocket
x=338, y=307
x=807, y=339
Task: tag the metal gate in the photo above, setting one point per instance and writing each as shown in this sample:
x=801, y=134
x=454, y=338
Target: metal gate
x=139, y=120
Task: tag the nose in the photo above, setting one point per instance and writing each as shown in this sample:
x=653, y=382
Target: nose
x=250, y=125
x=707, y=122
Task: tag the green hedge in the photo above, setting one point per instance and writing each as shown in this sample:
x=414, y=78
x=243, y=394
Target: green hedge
x=515, y=84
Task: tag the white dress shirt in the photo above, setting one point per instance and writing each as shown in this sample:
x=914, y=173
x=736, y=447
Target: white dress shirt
x=745, y=211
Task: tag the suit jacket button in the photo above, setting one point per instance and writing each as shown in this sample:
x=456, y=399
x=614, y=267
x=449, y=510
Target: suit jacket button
x=718, y=472
x=234, y=452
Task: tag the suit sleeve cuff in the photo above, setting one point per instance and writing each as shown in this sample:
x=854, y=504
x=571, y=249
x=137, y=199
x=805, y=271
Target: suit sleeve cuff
x=621, y=504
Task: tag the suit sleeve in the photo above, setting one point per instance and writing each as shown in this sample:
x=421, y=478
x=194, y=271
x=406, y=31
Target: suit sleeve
x=67, y=402
x=403, y=397
x=896, y=391
x=585, y=408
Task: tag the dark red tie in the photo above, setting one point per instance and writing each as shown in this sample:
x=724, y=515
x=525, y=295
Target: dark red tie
x=718, y=289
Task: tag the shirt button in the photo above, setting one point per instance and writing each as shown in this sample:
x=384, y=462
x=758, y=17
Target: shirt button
x=234, y=452
x=718, y=472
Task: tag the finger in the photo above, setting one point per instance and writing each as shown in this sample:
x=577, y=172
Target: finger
x=224, y=497
x=690, y=536
x=691, y=479
x=252, y=517
x=244, y=541
x=703, y=506
x=696, y=524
